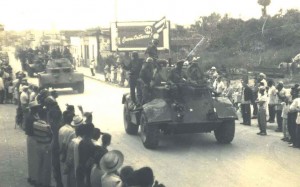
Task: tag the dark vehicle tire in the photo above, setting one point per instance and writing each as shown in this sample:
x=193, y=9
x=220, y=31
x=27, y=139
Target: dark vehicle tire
x=80, y=87
x=225, y=132
x=149, y=133
x=130, y=128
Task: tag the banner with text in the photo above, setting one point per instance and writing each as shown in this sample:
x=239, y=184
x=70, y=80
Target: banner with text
x=136, y=36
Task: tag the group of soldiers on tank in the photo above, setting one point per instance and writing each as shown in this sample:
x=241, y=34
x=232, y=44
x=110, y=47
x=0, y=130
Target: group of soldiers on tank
x=41, y=55
x=144, y=75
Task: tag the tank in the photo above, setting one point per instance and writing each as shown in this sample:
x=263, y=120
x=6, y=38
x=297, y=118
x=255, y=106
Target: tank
x=197, y=111
x=59, y=73
x=36, y=65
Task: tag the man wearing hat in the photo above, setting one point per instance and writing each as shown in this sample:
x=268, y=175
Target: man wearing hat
x=31, y=143
x=72, y=156
x=92, y=66
x=110, y=163
x=65, y=135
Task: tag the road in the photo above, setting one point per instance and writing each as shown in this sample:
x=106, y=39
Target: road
x=192, y=160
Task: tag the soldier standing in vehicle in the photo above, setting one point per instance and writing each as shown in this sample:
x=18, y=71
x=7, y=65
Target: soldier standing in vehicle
x=134, y=69
x=152, y=51
x=146, y=75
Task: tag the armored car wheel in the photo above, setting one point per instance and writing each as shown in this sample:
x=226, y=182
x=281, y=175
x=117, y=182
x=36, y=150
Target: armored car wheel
x=149, y=133
x=130, y=128
x=225, y=132
x=80, y=87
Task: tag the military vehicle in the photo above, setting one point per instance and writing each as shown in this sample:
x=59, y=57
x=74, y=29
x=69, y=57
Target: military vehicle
x=60, y=73
x=35, y=65
x=198, y=111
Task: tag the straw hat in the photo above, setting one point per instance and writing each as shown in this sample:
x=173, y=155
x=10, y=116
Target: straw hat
x=112, y=161
x=77, y=120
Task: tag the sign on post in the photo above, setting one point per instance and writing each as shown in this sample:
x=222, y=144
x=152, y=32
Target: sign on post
x=136, y=36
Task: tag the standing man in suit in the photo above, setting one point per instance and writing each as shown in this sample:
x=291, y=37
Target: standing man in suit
x=247, y=97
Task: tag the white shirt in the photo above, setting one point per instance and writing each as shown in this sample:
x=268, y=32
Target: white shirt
x=92, y=64
x=295, y=106
x=262, y=101
x=272, y=95
x=1, y=84
x=264, y=82
x=220, y=87
x=24, y=99
x=32, y=96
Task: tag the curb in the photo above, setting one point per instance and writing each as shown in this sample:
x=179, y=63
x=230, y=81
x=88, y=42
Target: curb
x=102, y=81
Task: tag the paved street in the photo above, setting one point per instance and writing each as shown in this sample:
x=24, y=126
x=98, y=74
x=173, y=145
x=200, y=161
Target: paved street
x=180, y=161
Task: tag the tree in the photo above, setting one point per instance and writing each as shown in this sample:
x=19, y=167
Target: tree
x=264, y=3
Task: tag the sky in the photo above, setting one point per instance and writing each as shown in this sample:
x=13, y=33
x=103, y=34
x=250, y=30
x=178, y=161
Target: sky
x=83, y=14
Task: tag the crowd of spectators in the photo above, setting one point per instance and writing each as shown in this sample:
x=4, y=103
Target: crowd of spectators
x=69, y=146
x=271, y=103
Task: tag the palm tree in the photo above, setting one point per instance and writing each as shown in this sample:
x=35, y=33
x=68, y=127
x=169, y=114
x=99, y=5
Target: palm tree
x=264, y=3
